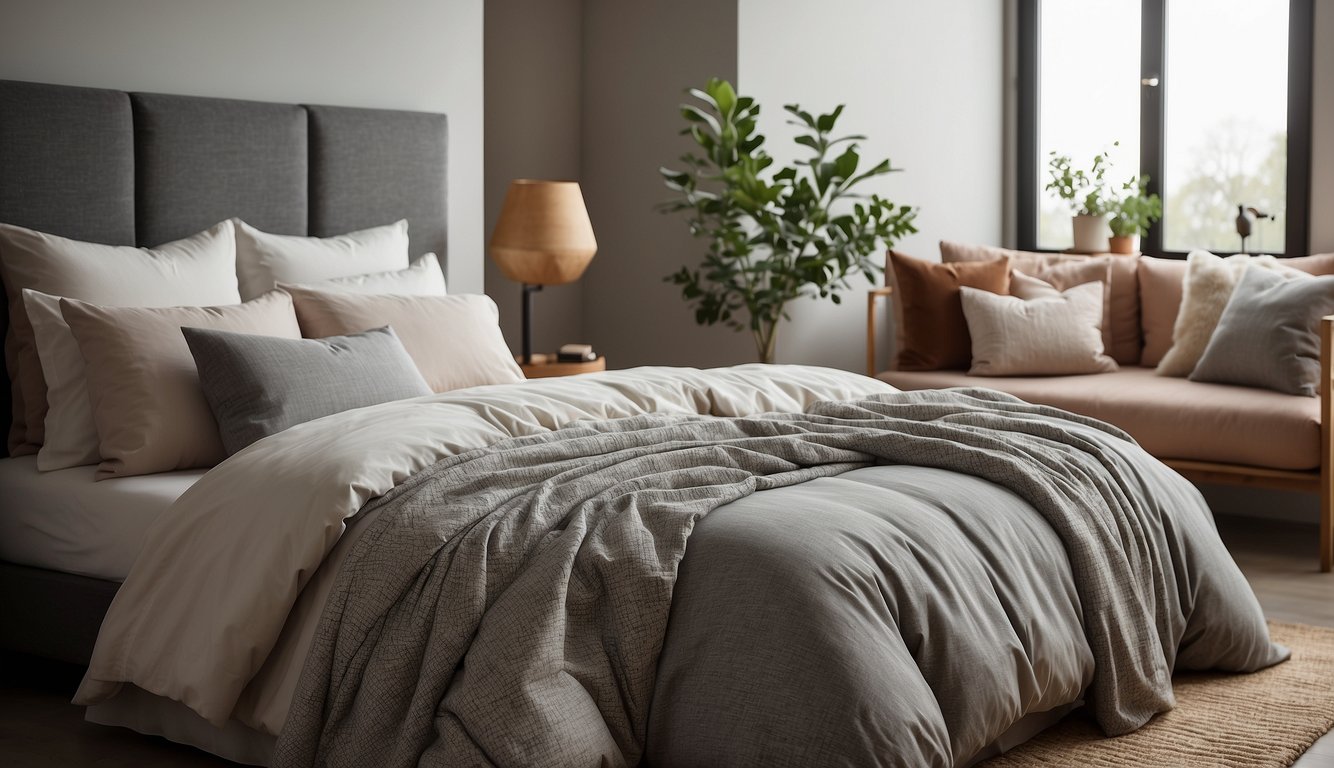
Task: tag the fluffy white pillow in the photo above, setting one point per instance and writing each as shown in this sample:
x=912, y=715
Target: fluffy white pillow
x=1051, y=335
x=423, y=278
x=263, y=260
x=197, y=270
x=1209, y=283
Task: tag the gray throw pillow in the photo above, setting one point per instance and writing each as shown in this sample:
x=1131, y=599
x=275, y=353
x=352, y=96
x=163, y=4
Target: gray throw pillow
x=260, y=385
x=1269, y=334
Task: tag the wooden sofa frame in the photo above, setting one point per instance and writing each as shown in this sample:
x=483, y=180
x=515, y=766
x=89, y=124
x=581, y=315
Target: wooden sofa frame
x=1319, y=481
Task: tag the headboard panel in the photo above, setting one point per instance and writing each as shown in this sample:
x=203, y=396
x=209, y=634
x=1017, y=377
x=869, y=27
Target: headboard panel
x=199, y=161
x=366, y=169
x=135, y=168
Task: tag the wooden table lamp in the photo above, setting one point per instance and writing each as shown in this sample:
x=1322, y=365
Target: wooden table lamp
x=543, y=237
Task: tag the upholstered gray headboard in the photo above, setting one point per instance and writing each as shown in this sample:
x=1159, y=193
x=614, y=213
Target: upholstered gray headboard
x=145, y=168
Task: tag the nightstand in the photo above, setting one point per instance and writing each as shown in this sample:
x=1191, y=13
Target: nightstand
x=546, y=366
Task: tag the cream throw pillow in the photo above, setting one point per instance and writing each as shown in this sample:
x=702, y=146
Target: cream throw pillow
x=151, y=413
x=263, y=260
x=454, y=340
x=1209, y=283
x=422, y=278
x=197, y=270
x=1050, y=335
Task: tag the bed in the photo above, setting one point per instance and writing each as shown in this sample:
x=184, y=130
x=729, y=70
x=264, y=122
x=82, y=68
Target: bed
x=499, y=574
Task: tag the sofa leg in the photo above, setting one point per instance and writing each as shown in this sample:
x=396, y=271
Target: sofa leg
x=1326, y=523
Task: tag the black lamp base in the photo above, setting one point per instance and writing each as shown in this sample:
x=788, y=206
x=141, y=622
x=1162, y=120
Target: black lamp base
x=528, y=291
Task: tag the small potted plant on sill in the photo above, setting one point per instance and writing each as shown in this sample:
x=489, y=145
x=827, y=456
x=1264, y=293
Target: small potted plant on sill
x=1086, y=194
x=1132, y=214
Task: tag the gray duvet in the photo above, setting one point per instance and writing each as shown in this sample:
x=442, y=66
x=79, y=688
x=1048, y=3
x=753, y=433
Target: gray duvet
x=893, y=581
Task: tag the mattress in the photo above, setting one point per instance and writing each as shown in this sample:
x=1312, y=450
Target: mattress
x=66, y=521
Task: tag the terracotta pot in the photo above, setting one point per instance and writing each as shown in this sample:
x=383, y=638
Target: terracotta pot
x=1091, y=233
x=1125, y=244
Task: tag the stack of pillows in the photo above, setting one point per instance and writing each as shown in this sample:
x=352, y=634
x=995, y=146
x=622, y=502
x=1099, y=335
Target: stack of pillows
x=145, y=360
x=1245, y=320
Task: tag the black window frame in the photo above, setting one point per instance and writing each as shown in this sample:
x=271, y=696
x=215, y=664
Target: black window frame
x=1153, y=50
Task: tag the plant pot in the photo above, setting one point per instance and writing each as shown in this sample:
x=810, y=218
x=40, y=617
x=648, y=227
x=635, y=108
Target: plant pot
x=1123, y=244
x=1091, y=234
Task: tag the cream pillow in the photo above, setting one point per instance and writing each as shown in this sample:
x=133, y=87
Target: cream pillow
x=454, y=340
x=151, y=413
x=1209, y=283
x=263, y=260
x=1050, y=335
x=197, y=270
x=422, y=278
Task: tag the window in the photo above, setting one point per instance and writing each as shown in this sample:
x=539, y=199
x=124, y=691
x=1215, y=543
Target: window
x=1209, y=98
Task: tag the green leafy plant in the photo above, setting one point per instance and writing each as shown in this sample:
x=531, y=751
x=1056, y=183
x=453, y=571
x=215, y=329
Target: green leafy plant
x=774, y=235
x=1135, y=210
x=1084, y=191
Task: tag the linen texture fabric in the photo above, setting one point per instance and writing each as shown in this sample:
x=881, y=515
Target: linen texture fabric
x=1208, y=285
x=263, y=260
x=1121, y=326
x=1043, y=336
x=422, y=278
x=930, y=326
x=197, y=270
x=1269, y=334
x=260, y=385
x=151, y=414
x=454, y=340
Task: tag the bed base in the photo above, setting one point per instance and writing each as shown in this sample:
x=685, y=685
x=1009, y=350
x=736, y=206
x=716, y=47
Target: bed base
x=52, y=614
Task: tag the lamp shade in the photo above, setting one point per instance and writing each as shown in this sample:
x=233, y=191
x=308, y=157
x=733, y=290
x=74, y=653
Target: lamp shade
x=543, y=235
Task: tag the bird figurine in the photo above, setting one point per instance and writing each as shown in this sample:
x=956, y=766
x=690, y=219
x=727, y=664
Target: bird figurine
x=1246, y=218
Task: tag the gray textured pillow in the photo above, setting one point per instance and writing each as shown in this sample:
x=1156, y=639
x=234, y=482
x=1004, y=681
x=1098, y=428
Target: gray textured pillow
x=260, y=385
x=1269, y=334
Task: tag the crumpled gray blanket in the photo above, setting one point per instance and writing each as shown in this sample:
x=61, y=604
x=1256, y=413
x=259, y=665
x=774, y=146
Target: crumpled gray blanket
x=509, y=606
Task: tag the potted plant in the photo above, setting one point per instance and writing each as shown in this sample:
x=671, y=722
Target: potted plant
x=1132, y=214
x=1086, y=194
x=774, y=234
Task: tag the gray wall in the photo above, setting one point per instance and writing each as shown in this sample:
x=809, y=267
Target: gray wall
x=1322, y=144
x=402, y=54
x=638, y=59
x=533, y=102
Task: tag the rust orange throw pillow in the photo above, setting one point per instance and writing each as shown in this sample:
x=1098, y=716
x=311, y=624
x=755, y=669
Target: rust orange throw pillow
x=932, y=331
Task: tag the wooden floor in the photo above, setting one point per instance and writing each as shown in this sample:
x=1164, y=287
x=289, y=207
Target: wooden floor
x=39, y=727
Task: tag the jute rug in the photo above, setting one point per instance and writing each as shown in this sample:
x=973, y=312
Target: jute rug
x=1264, y=719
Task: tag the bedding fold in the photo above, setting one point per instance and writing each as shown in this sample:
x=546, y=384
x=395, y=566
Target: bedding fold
x=509, y=605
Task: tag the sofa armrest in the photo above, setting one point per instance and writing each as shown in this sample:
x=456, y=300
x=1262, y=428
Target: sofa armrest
x=871, y=300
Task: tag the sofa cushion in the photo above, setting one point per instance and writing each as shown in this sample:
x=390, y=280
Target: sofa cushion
x=1172, y=418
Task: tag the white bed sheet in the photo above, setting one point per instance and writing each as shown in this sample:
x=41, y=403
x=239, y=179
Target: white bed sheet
x=65, y=521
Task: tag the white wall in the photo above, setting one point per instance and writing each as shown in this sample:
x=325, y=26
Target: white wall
x=533, y=100
x=402, y=54
x=930, y=100
x=1322, y=131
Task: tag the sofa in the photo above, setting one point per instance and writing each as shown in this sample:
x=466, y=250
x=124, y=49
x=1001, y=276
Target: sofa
x=1210, y=433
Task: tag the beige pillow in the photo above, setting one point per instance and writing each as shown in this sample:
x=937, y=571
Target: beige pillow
x=454, y=340
x=1208, y=285
x=150, y=411
x=263, y=260
x=1054, y=335
x=198, y=270
x=422, y=278
x=1121, y=331
x=1160, y=282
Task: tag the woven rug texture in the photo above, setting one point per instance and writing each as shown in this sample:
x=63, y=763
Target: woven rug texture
x=1268, y=718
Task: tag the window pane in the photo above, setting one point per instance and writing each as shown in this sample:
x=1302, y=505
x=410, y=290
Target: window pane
x=1227, y=116
x=1088, y=96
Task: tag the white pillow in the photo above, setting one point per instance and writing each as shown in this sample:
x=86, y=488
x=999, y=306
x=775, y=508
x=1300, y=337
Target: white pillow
x=200, y=269
x=264, y=260
x=1208, y=285
x=423, y=278
x=1056, y=335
